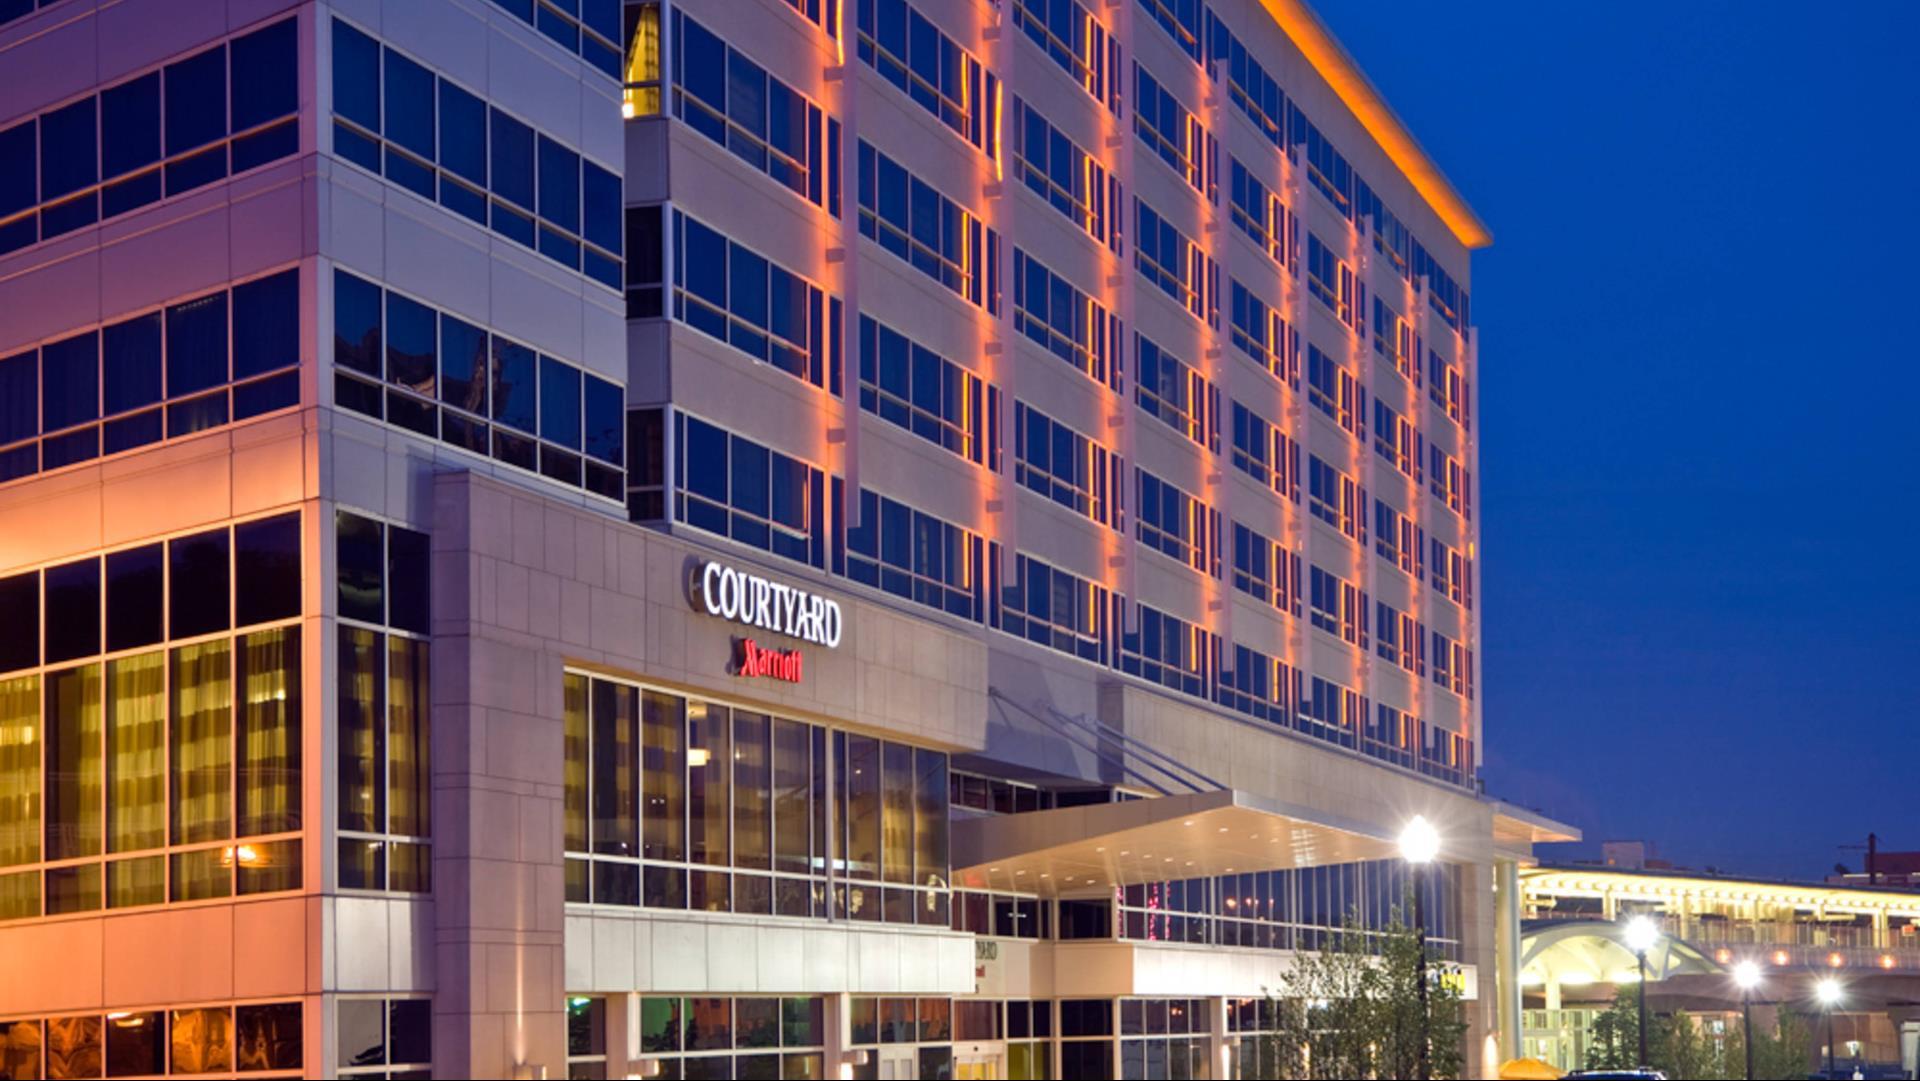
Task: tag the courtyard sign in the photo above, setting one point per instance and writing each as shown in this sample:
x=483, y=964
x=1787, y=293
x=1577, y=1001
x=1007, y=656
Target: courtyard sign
x=749, y=599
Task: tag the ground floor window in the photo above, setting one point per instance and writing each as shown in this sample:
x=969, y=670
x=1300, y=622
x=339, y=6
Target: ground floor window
x=386, y=1037
x=252, y=1037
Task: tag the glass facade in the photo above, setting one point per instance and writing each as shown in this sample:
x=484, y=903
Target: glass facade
x=150, y=724
x=255, y=1039
x=682, y=803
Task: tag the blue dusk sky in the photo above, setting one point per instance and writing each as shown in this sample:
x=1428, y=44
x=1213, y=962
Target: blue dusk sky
x=1699, y=385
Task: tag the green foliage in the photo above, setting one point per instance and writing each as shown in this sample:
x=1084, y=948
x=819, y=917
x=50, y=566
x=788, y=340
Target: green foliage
x=1703, y=1049
x=1352, y=1010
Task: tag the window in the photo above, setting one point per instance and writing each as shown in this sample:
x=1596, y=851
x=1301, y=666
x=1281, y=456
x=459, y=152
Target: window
x=1452, y=574
x=1261, y=333
x=727, y=290
x=385, y=1037
x=1446, y=755
x=1452, y=665
x=1256, y=92
x=1259, y=213
x=932, y=69
x=101, y=392
x=1066, y=177
x=589, y=28
x=1448, y=479
x=1396, y=441
x=102, y=156
x=720, y=93
x=1335, y=391
x=913, y=555
x=1392, y=735
x=1178, y=266
x=1053, y=608
x=1178, y=524
x=174, y=773
x=1266, y=569
x=1327, y=169
x=1175, y=393
x=1395, y=340
x=265, y=1036
x=1170, y=651
x=1331, y=712
x=1260, y=686
x=1182, y=20
x=1263, y=451
x=646, y=263
x=640, y=91
x=1332, y=283
x=1071, y=37
x=937, y=236
x=1064, y=321
x=1398, y=540
x=1334, y=498
x=1175, y=135
x=545, y=195
x=734, y=487
x=448, y=379
x=1061, y=464
x=1399, y=638
x=1447, y=387
x=729, y=1037
x=911, y=386
x=384, y=776
x=1338, y=607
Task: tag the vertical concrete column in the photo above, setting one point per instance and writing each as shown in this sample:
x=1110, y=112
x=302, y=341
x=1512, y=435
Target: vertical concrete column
x=1221, y=1043
x=623, y=1035
x=1479, y=934
x=837, y=1018
x=1506, y=949
x=498, y=782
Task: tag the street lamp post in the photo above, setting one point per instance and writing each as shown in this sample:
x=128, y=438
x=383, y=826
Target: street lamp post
x=1419, y=844
x=1829, y=992
x=1642, y=934
x=1747, y=975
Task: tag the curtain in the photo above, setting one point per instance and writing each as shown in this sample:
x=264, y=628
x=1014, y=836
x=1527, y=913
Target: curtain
x=136, y=753
x=19, y=770
x=268, y=776
x=408, y=789
x=202, y=742
x=74, y=785
x=363, y=739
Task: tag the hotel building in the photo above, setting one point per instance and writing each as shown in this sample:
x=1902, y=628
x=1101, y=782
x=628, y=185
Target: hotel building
x=803, y=538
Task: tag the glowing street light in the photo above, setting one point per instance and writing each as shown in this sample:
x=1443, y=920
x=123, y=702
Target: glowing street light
x=1642, y=934
x=1829, y=993
x=1419, y=844
x=1746, y=975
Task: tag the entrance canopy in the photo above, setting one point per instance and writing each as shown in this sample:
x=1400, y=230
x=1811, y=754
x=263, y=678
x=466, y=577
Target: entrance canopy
x=1195, y=835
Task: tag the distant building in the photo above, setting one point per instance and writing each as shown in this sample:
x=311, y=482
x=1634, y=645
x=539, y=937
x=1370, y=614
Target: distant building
x=1883, y=869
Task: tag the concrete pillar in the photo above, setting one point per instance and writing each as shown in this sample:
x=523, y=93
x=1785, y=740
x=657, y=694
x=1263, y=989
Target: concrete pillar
x=1506, y=949
x=623, y=1035
x=836, y=1016
x=1221, y=1044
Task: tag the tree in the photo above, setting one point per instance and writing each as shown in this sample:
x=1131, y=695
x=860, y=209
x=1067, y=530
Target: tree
x=1615, y=1044
x=1352, y=1009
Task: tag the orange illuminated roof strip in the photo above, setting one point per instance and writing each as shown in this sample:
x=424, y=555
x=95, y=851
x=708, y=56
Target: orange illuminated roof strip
x=1357, y=92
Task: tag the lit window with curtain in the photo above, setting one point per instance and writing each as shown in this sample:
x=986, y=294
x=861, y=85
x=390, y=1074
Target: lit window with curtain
x=640, y=96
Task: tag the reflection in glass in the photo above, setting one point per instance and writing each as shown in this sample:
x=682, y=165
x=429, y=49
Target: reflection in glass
x=363, y=735
x=573, y=713
x=73, y=1047
x=202, y=743
x=663, y=784
x=202, y=873
x=73, y=889
x=202, y=1041
x=141, y=881
x=269, y=735
x=73, y=763
x=407, y=770
x=863, y=806
x=20, y=772
x=615, y=771
x=896, y=849
x=792, y=784
x=136, y=1044
x=707, y=770
x=269, y=1036
x=752, y=796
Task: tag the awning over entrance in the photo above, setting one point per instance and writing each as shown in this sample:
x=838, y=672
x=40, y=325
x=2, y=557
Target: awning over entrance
x=1194, y=835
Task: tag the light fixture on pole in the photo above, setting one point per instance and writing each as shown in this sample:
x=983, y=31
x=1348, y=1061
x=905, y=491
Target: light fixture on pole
x=1746, y=975
x=1828, y=991
x=1642, y=935
x=1419, y=844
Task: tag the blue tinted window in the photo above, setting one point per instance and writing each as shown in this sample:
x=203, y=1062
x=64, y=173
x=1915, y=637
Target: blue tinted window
x=463, y=365
x=356, y=76
x=70, y=381
x=131, y=351
x=463, y=133
x=196, y=344
x=356, y=324
x=266, y=324
x=67, y=149
x=411, y=334
x=559, y=185
x=603, y=198
x=602, y=17
x=19, y=396
x=559, y=403
x=409, y=97
x=130, y=125
x=512, y=160
x=606, y=416
x=266, y=73
x=513, y=389
x=17, y=168
x=196, y=100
